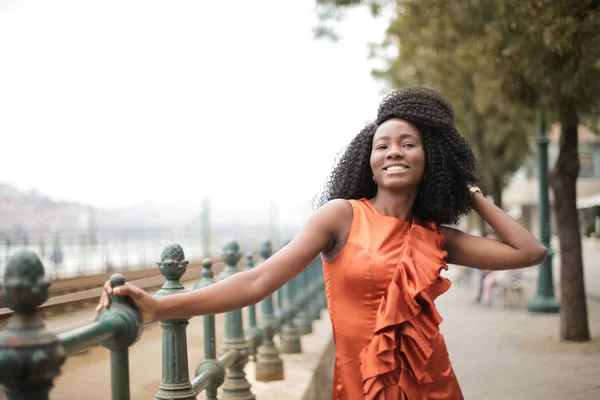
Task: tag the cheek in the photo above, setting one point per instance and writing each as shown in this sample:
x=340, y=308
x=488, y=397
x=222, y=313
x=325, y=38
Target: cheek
x=373, y=162
x=422, y=160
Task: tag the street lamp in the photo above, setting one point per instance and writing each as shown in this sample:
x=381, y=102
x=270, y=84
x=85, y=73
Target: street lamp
x=544, y=301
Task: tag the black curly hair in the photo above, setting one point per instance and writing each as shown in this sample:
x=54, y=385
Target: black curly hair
x=450, y=164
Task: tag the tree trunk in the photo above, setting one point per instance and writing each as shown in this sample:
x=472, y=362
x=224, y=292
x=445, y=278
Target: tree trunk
x=563, y=177
x=496, y=188
x=483, y=227
x=480, y=151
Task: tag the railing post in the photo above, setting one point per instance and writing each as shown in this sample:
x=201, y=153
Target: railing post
x=131, y=330
x=30, y=355
x=253, y=334
x=269, y=366
x=267, y=315
x=210, y=351
x=321, y=283
x=303, y=321
x=316, y=304
x=289, y=338
x=236, y=386
x=175, y=375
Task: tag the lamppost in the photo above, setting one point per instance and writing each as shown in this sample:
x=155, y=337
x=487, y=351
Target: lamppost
x=544, y=301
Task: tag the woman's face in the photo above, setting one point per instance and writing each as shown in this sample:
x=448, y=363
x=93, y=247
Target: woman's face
x=397, y=155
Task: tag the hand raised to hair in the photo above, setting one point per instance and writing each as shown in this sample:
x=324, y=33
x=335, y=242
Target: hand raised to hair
x=146, y=304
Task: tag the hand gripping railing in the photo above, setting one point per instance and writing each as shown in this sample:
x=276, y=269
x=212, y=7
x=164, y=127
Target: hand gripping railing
x=31, y=355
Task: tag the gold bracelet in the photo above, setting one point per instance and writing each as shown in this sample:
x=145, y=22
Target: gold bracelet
x=474, y=189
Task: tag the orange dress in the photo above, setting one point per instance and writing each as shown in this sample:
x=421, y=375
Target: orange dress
x=380, y=294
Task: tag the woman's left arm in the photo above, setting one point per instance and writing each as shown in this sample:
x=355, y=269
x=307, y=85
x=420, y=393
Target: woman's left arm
x=518, y=248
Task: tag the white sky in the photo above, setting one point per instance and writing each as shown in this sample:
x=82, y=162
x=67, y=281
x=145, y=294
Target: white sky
x=114, y=103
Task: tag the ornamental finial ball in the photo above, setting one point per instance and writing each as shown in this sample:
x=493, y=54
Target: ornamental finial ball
x=207, y=263
x=172, y=263
x=117, y=280
x=25, y=284
x=231, y=252
x=265, y=249
x=172, y=252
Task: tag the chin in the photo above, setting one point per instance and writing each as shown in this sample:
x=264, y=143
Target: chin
x=400, y=185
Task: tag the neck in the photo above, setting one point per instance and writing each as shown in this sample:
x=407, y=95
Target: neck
x=395, y=204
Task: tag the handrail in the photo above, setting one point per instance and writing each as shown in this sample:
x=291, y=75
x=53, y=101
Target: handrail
x=82, y=295
x=214, y=375
x=91, y=335
x=31, y=355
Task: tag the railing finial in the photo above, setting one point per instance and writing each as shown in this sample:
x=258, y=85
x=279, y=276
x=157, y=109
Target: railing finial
x=172, y=266
x=34, y=353
x=25, y=284
x=265, y=249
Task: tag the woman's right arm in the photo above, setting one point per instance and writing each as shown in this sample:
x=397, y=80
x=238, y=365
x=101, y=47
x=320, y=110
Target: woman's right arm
x=245, y=288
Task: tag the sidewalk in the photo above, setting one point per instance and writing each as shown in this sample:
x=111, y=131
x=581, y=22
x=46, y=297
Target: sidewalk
x=508, y=353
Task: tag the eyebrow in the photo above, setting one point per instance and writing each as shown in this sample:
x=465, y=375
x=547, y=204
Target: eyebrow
x=402, y=136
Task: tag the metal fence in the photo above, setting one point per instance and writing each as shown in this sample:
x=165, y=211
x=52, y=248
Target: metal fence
x=31, y=355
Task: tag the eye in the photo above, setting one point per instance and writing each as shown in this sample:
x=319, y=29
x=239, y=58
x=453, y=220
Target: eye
x=410, y=145
x=381, y=147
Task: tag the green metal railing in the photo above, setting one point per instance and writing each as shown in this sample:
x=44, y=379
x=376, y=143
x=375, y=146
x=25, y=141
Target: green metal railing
x=31, y=355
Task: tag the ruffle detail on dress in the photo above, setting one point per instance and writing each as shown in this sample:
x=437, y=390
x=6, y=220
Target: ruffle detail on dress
x=407, y=319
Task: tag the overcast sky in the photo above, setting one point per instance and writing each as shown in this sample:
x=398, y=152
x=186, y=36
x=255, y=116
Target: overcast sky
x=114, y=103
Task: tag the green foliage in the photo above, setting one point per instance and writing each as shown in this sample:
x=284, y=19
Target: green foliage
x=429, y=43
x=432, y=39
x=329, y=11
x=541, y=51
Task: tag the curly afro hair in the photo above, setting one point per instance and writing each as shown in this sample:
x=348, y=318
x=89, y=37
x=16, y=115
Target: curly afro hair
x=450, y=164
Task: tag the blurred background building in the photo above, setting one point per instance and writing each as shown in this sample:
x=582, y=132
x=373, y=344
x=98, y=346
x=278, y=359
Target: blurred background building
x=521, y=196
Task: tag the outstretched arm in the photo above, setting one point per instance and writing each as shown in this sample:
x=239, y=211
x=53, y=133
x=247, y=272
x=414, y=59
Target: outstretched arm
x=242, y=289
x=517, y=249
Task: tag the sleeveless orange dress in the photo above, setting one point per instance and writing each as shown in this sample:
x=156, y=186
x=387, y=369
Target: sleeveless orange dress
x=380, y=294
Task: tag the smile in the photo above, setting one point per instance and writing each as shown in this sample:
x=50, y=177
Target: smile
x=395, y=168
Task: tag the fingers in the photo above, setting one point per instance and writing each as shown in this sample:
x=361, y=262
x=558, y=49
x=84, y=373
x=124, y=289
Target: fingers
x=124, y=290
x=127, y=290
x=107, y=287
x=104, y=302
x=104, y=299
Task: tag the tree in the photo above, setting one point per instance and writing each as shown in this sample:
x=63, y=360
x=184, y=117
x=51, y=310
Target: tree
x=549, y=50
x=426, y=39
x=520, y=54
x=423, y=39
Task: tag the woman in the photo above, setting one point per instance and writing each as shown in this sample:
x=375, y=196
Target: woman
x=379, y=232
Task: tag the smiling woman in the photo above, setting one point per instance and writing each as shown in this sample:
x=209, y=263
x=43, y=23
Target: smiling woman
x=379, y=232
x=398, y=157
x=410, y=122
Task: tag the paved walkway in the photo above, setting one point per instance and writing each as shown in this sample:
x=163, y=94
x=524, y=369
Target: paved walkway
x=508, y=353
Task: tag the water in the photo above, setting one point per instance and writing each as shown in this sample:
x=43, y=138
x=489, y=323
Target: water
x=78, y=256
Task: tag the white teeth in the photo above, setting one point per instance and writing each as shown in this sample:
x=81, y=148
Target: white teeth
x=396, y=168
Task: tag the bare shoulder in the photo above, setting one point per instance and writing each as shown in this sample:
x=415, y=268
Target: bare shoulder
x=333, y=215
x=336, y=217
x=338, y=207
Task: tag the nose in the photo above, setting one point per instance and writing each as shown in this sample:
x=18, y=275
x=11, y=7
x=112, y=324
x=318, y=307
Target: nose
x=394, y=152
